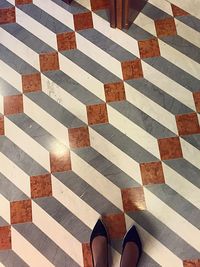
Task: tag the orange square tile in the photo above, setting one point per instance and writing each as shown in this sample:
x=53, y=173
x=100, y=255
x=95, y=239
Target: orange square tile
x=100, y=4
x=22, y=2
x=191, y=263
x=5, y=237
x=177, y=11
x=49, y=61
x=97, y=114
x=60, y=161
x=1, y=125
x=79, y=137
x=41, y=186
x=114, y=91
x=13, y=104
x=165, y=27
x=7, y=15
x=66, y=41
x=115, y=225
x=133, y=199
x=170, y=148
x=21, y=211
x=149, y=48
x=187, y=124
x=87, y=255
x=152, y=173
x=83, y=21
x=132, y=69
x=31, y=82
x=196, y=96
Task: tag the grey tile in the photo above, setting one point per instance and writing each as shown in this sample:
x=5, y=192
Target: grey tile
x=45, y=245
x=3, y=222
x=15, y=62
x=160, y=97
x=180, y=76
x=107, y=45
x=147, y=261
x=104, y=14
x=177, y=203
x=193, y=140
x=91, y=66
x=10, y=259
x=55, y=109
x=20, y=158
x=153, y=12
x=165, y=235
x=7, y=89
x=9, y=190
x=44, y=18
x=73, y=8
x=138, y=33
x=5, y=4
x=65, y=218
x=124, y=143
x=106, y=168
x=142, y=119
x=190, y=21
x=72, y=87
x=27, y=38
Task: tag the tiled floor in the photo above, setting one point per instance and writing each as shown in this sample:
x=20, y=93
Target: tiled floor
x=97, y=121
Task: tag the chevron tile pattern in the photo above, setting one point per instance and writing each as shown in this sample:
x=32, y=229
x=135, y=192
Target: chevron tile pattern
x=94, y=122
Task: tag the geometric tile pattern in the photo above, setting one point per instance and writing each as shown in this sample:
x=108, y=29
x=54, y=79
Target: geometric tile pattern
x=98, y=122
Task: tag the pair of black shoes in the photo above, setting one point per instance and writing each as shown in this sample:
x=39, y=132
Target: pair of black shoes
x=131, y=236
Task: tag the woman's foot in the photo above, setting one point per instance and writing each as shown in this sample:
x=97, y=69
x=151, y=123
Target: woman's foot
x=99, y=245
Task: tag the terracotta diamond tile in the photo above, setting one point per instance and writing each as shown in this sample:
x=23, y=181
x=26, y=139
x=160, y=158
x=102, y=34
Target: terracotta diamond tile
x=187, y=124
x=114, y=91
x=165, y=27
x=191, y=263
x=13, y=104
x=132, y=69
x=1, y=125
x=149, y=48
x=22, y=2
x=133, y=199
x=66, y=41
x=97, y=114
x=100, y=4
x=115, y=225
x=152, y=173
x=21, y=211
x=79, y=137
x=196, y=96
x=170, y=148
x=60, y=161
x=41, y=186
x=49, y=61
x=83, y=21
x=177, y=11
x=7, y=15
x=87, y=255
x=5, y=237
x=31, y=82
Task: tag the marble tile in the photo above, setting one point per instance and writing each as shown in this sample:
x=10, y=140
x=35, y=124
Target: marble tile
x=114, y=92
x=132, y=69
x=177, y=11
x=87, y=255
x=21, y=211
x=41, y=186
x=7, y=15
x=79, y=137
x=102, y=4
x=152, y=173
x=22, y=2
x=66, y=41
x=83, y=21
x=149, y=48
x=115, y=225
x=60, y=161
x=97, y=114
x=165, y=27
x=5, y=237
x=49, y=61
x=170, y=148
x=196, y=96
x=13, y=104
x=133, y=199
x=191, y=263
x=187, y=124
x=1, y=125
x=31, y=82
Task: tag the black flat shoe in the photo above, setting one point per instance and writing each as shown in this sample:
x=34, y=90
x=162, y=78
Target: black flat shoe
x=132, y=236
x=99, y=230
